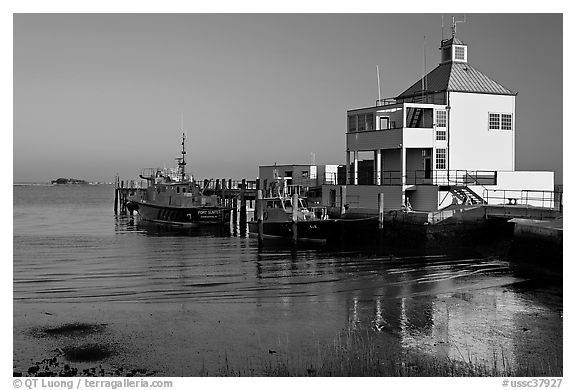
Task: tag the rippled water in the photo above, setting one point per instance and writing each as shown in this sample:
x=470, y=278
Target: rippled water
x=177, y=301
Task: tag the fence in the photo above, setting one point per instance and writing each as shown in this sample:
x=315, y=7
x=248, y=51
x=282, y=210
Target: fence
x=420, y=177
x=545, y=199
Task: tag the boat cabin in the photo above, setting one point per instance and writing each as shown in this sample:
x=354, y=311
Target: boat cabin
x=280, y=209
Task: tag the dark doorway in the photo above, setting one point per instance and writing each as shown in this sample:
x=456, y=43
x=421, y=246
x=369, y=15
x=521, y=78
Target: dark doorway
x=427, y=168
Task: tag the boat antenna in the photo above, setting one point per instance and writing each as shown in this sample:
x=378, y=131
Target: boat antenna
x=182, y=160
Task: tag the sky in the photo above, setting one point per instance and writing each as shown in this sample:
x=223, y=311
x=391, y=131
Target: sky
x=100, y=94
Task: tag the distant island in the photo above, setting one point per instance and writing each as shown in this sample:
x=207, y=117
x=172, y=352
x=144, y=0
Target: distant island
x=69, y=181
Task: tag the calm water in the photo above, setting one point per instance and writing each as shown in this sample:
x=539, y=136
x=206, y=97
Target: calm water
x=174, y=302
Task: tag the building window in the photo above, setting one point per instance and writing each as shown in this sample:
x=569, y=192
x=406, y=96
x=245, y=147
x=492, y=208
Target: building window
x=369, y=121
x=441, y=125
x=361, y=122
x=506, y=122
x=351, y=123
x=441, y=158
x=441, y=118
x=384, y=122
x=499, y=121
x=494, y=121
x=441, y=134
x=459, y=53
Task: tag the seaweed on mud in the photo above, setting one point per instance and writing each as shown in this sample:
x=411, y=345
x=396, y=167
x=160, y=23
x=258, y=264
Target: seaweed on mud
x=87, y=352
x=74, y=329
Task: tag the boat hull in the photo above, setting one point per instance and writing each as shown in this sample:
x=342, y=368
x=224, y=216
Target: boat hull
x=319, y=230
x=184, y=216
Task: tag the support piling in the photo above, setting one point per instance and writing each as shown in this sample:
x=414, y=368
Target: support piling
x=294, y=218
x=260, y=216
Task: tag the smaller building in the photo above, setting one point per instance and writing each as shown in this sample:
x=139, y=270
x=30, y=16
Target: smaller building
x=300, y=178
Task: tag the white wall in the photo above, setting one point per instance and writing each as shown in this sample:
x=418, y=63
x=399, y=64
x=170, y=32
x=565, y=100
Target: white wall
x=418, y=138
x=532, y=188
x=525, y=180
x=471, y=145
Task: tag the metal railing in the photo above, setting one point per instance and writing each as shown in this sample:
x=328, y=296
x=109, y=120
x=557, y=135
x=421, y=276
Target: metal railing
x=430, y=97
x=551, y=200
x=385, y=102
x=433, y=177
x=327, y=178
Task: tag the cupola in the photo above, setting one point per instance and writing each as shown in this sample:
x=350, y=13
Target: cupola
x=453, y=50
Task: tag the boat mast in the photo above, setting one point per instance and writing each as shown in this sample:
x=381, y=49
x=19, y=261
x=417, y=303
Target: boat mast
x=181, y=160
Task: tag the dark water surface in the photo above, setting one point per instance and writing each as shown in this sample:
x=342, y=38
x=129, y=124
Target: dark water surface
x=177, y=302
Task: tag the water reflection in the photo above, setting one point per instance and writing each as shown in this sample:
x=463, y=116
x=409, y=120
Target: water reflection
x=191, y=291
x=444, y=305
x=489, y=324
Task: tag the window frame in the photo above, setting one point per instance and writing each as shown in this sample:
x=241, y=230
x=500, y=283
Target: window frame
x=459, y=50
x=508, y=122
x=441, y=124
x=353, y=119
x=499, y=124
x=440, y=159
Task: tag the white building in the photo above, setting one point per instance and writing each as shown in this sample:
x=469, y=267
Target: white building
x=449, y=137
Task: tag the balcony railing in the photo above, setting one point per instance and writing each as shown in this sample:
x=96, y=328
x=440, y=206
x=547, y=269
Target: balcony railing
x=545, y=199
x=420, y=177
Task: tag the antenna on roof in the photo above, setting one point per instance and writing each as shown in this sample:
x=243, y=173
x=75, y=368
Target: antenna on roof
x=378, y=75
x=424, y=81
x=442, y=28
x=425, y=66
x=455, y=22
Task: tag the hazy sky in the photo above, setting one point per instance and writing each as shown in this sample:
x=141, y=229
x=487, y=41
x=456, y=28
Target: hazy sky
x=96, y=94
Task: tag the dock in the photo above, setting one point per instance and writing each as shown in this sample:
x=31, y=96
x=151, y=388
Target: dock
x=238, y=194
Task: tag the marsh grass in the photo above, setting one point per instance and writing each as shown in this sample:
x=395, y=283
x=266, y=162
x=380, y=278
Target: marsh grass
x=355, y=354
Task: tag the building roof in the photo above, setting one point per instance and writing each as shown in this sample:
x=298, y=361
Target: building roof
x=452, y=41
x=457, y=77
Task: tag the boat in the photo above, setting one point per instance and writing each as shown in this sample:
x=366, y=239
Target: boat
x=172, y=197
x=312, y=223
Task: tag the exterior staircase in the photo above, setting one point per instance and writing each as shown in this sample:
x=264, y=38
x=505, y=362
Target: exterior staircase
x=464, y=194
x=416, y=117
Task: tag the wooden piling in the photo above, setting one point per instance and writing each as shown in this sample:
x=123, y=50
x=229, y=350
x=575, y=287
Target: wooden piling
x=235, y=212
x=260, y=216
x=243, y=208
x=294, y=218
x=116, y=195
x=342, y=201
x=122, y=200
x=380, y=211
x=223, y=192
x=243, y=202
x=229, y=187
